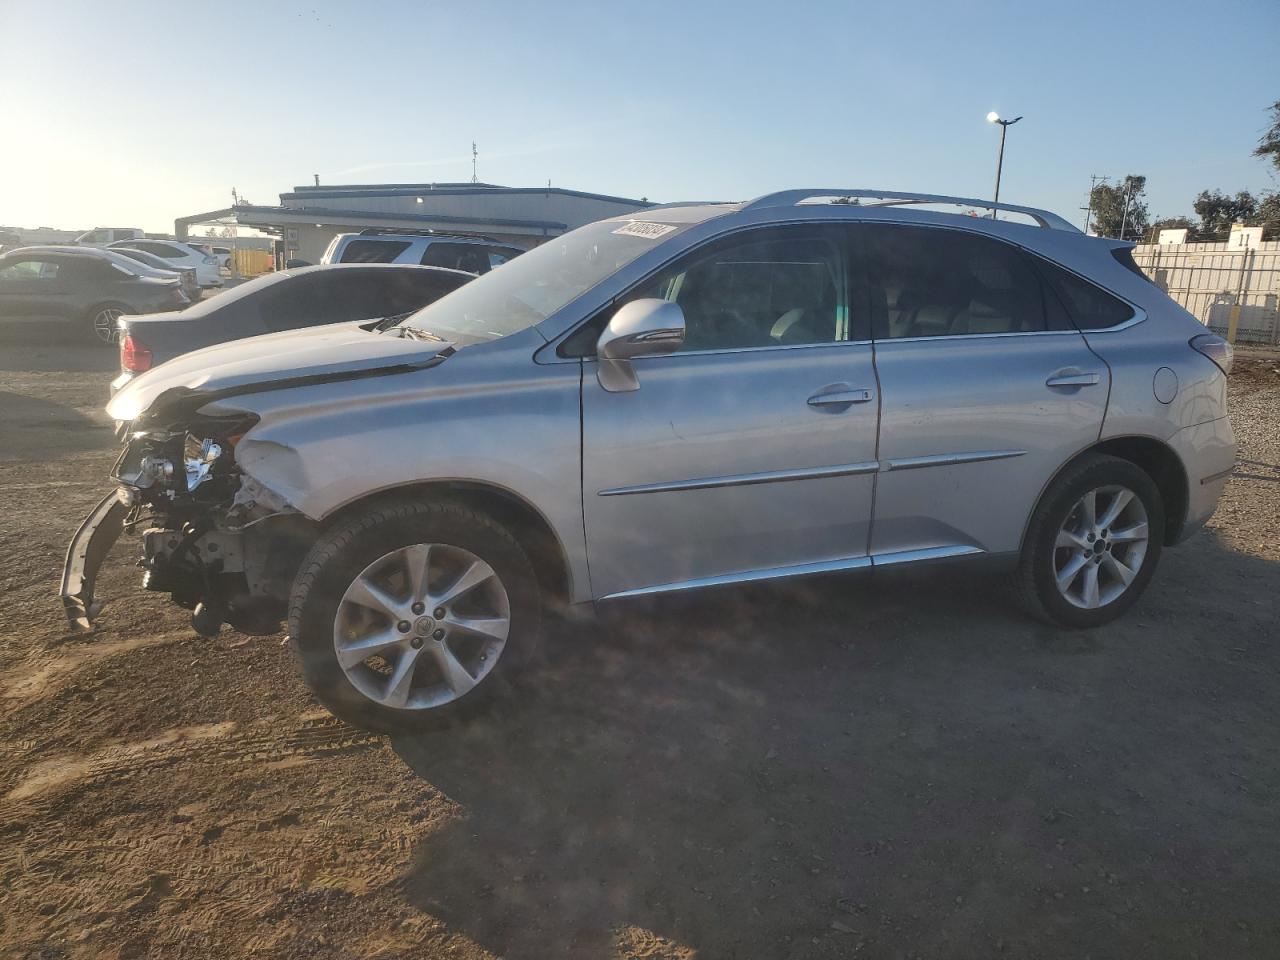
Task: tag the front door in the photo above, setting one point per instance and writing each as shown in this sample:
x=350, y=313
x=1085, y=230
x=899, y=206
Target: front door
x=982, y=398
x=31, y=289
x=750, y=453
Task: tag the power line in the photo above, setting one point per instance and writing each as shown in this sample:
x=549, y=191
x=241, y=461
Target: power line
x=1094, y=180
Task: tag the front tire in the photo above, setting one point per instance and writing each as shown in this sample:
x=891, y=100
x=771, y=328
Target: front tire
x=1093, y=543
x=412, y=615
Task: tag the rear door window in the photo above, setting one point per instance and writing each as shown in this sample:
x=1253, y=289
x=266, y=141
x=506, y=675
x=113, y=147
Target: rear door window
x=303, y=301
x=162, y=250
x=358, y=295
x=935, y=282
x=373, y=251
x=471, y=257
x=414, y=289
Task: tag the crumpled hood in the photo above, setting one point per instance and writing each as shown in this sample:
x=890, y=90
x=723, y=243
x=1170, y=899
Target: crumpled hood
x=340, y=350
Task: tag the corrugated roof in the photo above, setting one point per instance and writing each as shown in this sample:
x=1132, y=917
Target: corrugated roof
x=427, y=189
x=375, y=217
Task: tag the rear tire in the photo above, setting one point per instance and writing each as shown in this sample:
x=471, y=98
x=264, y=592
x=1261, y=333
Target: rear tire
x=102, y=322
x=1093, y=543
x=429, y=662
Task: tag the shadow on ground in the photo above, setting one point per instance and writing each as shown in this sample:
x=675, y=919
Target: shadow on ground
x=899, y=766
x=38, y=348
x=32, y=428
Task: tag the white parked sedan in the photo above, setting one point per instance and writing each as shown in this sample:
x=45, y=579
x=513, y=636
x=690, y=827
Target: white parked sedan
x=180, y=255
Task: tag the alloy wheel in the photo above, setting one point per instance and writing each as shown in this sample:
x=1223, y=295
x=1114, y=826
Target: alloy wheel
x=1100, y=547
x=421, y=626
x=104, y=324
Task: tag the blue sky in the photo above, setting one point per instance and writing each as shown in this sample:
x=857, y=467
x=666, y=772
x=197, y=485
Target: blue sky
x=132, y=114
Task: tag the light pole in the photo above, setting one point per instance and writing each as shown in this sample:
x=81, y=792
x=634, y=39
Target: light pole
x=994, y=117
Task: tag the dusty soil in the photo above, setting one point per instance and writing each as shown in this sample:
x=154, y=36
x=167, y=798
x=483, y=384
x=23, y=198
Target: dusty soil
x=902, y=767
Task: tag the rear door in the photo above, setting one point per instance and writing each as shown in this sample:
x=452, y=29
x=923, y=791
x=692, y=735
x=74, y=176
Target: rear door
x=985, y=392
x=750, y=453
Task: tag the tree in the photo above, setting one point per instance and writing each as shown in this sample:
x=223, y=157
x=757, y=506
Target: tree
x=1268, y=214
x=1109, y=215
x=1218, y=211
x=1269, y=145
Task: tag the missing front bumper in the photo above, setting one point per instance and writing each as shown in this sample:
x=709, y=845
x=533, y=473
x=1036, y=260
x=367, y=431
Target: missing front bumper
x=88, y=548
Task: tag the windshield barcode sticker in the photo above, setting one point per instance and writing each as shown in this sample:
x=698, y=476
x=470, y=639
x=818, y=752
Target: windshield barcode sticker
x=642, y=228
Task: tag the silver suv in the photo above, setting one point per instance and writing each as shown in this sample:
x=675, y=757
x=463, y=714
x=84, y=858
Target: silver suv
x=473, y=254
x=696, y=395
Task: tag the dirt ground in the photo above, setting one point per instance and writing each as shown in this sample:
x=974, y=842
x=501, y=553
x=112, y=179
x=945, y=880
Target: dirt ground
x=897, y=767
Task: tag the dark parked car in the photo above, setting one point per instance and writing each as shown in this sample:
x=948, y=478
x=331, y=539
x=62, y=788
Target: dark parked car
x=186, y=275
x=84, y=288
x=306, y=297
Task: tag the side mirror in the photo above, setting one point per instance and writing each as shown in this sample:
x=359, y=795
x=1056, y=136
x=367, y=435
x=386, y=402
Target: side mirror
x=641, y=328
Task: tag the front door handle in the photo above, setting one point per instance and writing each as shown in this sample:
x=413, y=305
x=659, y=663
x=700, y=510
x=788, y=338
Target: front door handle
x=1072, y=378
x=841, y=397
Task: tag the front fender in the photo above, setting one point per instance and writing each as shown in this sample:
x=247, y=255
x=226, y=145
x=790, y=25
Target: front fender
x=494, y=418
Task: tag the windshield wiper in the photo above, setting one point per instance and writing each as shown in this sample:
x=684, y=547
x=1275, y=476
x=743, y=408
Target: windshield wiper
x=413, y=333
x=386, y=323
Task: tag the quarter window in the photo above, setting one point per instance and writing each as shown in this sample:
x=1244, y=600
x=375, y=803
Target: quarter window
x=499, y=255
x=930, y=282
x=773, y=287
x=1088, y=306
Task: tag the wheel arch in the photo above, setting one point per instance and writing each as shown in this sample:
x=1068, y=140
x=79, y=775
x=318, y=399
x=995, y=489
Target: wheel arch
x=531, y=529
x=1155, y=458
x=109, y=304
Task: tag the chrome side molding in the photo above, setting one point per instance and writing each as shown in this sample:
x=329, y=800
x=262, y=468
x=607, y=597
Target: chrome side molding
x=948, y=459
x=748, y=576
x=745, y=479
x=925, y=555
x=806, y=569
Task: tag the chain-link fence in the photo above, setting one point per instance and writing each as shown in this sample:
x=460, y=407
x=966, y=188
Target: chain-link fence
x=1234, y=292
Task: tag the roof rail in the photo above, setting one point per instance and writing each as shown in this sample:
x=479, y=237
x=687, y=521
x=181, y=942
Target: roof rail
x=890, y=198
x=426, y=232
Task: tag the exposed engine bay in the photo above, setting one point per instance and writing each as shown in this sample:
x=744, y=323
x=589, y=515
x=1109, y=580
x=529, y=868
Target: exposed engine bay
x=219, y=542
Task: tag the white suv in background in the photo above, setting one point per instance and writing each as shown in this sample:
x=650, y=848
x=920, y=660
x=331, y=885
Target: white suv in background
x=180, y=255
x=472, y=253
x=102, y=236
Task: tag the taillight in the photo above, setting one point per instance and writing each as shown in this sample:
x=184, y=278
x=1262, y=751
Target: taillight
x=1216, y=349
x=134, y=355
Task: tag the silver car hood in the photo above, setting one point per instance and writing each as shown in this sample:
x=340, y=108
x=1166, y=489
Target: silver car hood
x=273, y=361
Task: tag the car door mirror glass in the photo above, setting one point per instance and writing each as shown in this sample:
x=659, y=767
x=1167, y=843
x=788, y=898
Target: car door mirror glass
x=641, y=328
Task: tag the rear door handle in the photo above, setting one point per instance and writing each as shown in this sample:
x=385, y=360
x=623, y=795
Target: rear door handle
x=1072, y=378
x=841, y=397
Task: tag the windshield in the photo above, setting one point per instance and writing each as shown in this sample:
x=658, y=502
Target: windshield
x=533, y=286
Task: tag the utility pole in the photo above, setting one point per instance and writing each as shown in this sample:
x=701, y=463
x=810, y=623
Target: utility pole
x=474, y=155
x=1094, y=180
x=1124, y=217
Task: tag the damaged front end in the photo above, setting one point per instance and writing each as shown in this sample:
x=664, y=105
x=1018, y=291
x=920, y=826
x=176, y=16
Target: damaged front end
x=219, y=542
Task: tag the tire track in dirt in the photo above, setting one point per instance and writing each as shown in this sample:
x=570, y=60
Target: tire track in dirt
x=243, y=865
x=317, y=734
x=43, y=673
